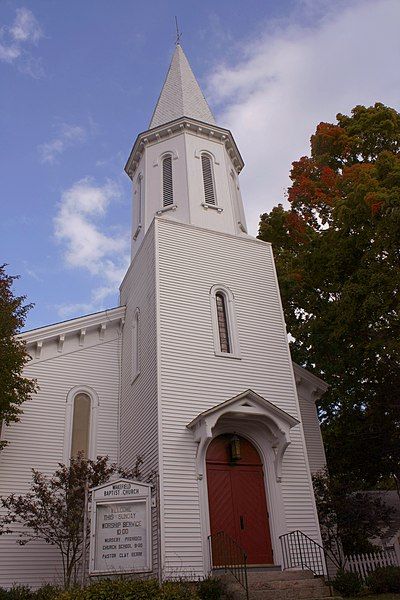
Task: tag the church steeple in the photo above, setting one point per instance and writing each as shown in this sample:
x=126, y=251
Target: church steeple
x=181, y=95
x=185, y=167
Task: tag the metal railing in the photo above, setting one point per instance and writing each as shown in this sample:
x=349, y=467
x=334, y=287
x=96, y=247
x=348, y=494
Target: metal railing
x=227, y=554
x=299, y=550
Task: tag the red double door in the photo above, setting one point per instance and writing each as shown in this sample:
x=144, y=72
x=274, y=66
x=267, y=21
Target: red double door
x=236, y=496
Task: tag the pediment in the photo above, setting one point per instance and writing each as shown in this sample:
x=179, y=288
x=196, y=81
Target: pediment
x=247, y=403
x=252, y=408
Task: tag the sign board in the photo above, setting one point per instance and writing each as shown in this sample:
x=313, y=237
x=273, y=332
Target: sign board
x=121, y=528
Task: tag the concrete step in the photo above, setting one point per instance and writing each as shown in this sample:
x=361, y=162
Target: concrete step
x=291, y=584
x=285, y=585
x=282, y=595
x=279, y=575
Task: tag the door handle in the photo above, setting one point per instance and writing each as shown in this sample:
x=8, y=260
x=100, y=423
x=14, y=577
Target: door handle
x=241, y=518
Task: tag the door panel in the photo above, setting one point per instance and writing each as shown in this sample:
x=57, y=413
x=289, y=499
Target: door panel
x=222, y=515
x=252, y=517
x=237, y=502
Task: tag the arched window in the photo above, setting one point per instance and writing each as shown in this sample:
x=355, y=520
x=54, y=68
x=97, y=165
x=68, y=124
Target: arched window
x=208, y=180
x=81, y=423
x=168, y=191
x=135, y=345
x=226, y=342
x=138, y=208
x=223, y=330
x=140, y=198
x=81, y=426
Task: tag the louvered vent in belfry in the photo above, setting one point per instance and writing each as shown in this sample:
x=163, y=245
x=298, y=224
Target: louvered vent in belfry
x=168, y=192
x=208, y=179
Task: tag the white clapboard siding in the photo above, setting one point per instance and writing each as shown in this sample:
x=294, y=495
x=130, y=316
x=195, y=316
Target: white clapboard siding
x=139, y=414
x=312, y=433
x=364, y=564
x=37, y=441
x=190, y=261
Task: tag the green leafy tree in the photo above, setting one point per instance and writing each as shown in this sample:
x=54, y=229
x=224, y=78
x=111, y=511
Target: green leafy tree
x=53, y=510
x=14, y=388
x=337, y=250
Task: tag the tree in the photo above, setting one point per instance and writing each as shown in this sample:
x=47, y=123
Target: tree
x=14, y=388
x=337, y=251
x=349, y=519
x=53, y=509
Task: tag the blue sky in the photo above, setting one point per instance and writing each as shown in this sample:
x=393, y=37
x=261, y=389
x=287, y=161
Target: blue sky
x=79, y=80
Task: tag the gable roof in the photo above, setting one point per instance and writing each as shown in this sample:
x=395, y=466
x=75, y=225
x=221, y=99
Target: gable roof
x=181, y=95
x=236, y=401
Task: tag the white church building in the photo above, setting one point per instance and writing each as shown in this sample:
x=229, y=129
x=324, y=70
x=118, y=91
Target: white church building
x=192, y=371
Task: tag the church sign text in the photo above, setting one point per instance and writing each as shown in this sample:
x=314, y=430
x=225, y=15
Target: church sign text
x=121, y=528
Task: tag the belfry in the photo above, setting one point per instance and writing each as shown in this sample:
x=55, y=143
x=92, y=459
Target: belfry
x=192, y=371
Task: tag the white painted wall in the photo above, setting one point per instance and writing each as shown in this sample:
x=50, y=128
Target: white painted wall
x=37, y=441
x=139, y=398
x=190, y=261
x=309, y=389
x=186, y=148
x=312, y=432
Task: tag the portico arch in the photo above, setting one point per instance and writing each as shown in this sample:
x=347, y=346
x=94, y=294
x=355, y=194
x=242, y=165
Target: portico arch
x=267, y=427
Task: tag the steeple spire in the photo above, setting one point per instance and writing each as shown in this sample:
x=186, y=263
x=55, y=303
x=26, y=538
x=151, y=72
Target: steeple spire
x=181, y=95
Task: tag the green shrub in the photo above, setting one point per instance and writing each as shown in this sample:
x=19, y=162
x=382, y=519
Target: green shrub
x=211, y=589
x=178, y=590
x=384, y=579
x=19, y=592
x=47, y=592
x=114, y=589
x=347, y=583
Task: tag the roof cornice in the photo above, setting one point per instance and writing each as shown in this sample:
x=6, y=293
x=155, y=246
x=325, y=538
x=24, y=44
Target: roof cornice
x=167, y=130
x=318, y=386
x=73, y=325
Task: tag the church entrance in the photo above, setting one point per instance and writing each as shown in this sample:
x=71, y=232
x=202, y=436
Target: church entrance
x=236, y=496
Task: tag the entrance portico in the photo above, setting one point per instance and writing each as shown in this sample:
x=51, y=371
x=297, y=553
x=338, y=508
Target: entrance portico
x=265, y=431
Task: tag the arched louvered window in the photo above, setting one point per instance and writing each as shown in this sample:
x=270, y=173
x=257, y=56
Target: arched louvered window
x=222, y=319
x=81, y=426
x=135, y=345
x=168, y=190
x=226, y=341
x=208, y=179
x=140, y=198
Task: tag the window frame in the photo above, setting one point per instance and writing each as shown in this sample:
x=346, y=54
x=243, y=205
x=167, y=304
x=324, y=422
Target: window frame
x=135, y=345
x=164, y=157
x=230, y=313
x=212, y=174
x=139, y=192
x=69, y=419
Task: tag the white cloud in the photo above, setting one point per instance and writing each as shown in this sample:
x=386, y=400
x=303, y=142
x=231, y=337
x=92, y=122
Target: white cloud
x=294, y=76
x=14, y=41
x=25, y=27
x=9, y=53
x=68, y=136
x=87, y=244
x=80, y=308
